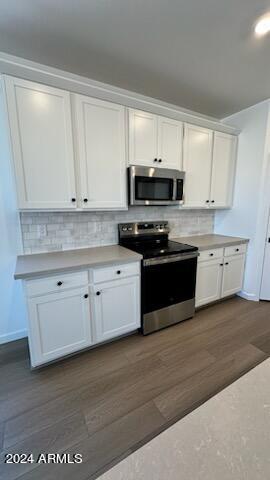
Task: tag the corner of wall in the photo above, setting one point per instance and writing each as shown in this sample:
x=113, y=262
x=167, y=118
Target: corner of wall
x=247, y=218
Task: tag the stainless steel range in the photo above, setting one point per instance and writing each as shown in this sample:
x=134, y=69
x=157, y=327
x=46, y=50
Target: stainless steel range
x=168, y=278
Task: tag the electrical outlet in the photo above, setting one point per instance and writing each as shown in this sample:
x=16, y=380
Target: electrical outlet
x=42, y=231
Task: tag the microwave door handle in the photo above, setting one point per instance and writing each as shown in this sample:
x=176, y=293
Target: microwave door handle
x=174, y=189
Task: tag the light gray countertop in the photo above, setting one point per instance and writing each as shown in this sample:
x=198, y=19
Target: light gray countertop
x=226, y=438
x=46, y=263
x=204, y=242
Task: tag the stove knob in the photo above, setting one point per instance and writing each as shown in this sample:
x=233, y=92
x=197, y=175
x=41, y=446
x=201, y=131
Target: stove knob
x=124, y=229
x=130, y=229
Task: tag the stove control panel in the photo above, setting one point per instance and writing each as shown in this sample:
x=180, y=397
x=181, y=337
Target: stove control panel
x=143, y=228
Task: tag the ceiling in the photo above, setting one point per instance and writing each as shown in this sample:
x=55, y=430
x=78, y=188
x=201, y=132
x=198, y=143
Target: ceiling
x=198, y=54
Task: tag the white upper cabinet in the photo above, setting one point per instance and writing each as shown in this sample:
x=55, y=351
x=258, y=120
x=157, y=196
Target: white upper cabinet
x=224, y=155
x=100, y=131
x=197, y=165
x=154, y=140
x=41, y=136
x=143, y=128
x=70, y=151
x=170, y=141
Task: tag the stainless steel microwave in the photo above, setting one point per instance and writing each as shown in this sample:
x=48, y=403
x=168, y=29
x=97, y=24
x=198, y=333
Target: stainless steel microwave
x=155, y=186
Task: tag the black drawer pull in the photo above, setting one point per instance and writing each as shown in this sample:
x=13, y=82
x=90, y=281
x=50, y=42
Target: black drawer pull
x=86, y=295
x=73, y=200
x=227, y=263
x=118, y=272
x=59, y=284
x=85, y=200
x=211, y=254
x=207, y=201
x=221, y=264
x=160, y=160
x=237, y=249
x=212, y=201
x=98, y=293
x=155, y=159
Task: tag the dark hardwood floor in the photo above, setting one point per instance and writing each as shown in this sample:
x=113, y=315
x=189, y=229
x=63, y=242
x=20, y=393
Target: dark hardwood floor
x=107, y=402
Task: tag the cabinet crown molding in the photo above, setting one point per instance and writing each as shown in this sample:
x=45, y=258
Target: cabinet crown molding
x=36, y=72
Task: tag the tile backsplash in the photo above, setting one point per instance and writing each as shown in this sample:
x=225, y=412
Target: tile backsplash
x=46, y=232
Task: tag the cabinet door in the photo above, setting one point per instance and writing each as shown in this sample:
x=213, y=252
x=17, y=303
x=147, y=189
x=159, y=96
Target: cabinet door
x=233, y=275
x=59, y=324
x=143, y=147
x=224, y=154
x=197, y=165
x=170, y=142
x=116, y=307
x=41, y=135
x=208, y=285
x=100, y=130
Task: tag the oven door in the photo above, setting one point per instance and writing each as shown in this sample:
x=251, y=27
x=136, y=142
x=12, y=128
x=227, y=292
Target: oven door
x=155, y=186
x=168, y=290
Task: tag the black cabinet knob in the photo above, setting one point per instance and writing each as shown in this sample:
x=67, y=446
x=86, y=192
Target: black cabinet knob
x=226, y=263
x=155, y=159
x=211, y=254
x=98, y=293
x=206, y=201
x=118, y=272
x=212, y=201
x=73, y=200
x=160, y=160
x=221, y=264
x=86, y=295
x=237, y=249
x=85, y=200
x=59, y=284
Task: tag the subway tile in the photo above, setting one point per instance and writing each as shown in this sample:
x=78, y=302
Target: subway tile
x=81, y=229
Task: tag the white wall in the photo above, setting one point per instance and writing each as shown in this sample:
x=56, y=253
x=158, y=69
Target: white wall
x=12, y=308
x=248, y=217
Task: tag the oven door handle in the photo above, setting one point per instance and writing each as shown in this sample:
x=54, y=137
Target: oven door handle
x=169, y=259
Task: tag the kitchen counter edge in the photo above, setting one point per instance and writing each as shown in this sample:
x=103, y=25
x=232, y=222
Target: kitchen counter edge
x=206, y=242
x=42, y=264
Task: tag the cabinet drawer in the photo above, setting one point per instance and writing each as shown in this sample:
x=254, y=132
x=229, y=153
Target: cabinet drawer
x=235, y=249
x=56, y=283
x=115, y=271
x=210, y=254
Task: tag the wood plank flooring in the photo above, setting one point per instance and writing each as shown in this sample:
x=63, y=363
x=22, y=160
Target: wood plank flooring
x=107, y=402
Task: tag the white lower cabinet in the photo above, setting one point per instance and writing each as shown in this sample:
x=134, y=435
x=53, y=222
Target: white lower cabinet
x=220, y=277
x=233, y=275
x=116, y=307
x=60, y=324
x=68, y=313
x=209, y=278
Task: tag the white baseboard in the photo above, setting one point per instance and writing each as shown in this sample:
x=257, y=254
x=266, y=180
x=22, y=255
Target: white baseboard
x=9, y=337
x=248, y=296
